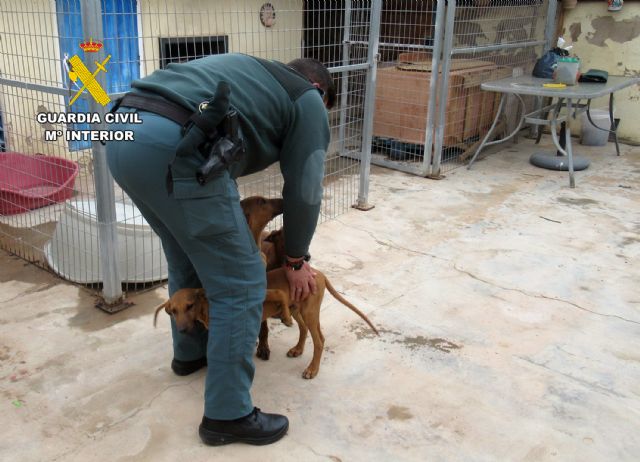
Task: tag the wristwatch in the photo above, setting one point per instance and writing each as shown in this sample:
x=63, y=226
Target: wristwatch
x=297, y=264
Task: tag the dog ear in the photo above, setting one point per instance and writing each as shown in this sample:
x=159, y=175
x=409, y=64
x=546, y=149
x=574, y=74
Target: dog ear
x=155, y=316
x=201, y=299
x=269, y=237
x=202, y=308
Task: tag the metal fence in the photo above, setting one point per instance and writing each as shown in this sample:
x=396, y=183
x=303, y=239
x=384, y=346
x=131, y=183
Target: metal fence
x=82, y=226
x=60, y=208
x=429, y=109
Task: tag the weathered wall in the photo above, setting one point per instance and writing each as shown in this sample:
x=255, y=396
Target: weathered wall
x=610, y=41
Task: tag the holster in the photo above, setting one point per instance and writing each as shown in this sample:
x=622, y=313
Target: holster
x=226, y=148
x=214, y=131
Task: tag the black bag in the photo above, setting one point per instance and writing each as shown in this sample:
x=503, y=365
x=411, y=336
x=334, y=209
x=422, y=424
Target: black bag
x=546, y=65
x=594, y=76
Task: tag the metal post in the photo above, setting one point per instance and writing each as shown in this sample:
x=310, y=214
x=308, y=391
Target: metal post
x=369, y=105
x=346, y=58
x=105, y=195
x=567, y=138
x=549, y=32
x=433, y=85
x=444, y=84
x=550, y=28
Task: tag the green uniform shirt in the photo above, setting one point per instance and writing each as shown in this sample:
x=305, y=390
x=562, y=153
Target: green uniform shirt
x=275, y=128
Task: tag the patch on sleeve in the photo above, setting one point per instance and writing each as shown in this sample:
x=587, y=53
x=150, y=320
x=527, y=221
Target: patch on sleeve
x=312, y=175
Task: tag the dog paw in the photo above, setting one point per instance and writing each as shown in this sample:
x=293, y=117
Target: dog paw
x=287, y=322
x=309, y=373
x=263, y=353
x=294, y=352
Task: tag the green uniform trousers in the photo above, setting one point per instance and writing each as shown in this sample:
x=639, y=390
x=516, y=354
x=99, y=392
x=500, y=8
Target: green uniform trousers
x=207, y=244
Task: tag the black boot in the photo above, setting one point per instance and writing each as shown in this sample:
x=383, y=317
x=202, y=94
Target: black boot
x=187, y=367
x=257, y=428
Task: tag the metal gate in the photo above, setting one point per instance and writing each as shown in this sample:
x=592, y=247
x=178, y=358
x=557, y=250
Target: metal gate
x=60, y=207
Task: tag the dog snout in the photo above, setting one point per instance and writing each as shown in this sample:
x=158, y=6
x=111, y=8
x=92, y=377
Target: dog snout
x=278, y=206
x=183, y=327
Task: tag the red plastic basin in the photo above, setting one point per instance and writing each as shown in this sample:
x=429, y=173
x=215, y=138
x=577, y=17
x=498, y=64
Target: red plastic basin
x=31, y=181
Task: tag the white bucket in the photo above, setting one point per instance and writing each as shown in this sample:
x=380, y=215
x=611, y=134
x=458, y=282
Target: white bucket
x=74, y=253
x=591, y=136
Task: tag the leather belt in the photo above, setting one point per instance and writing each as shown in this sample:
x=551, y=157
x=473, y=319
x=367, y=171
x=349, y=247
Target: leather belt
x=179, y=114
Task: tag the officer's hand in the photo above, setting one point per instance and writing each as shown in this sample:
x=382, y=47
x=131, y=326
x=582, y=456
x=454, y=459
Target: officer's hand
x=301, y=282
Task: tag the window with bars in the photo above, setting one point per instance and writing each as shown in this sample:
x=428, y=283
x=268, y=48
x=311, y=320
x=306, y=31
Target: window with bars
x=181, y=49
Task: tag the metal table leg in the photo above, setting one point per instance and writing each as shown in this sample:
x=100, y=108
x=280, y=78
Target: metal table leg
x=567, y=134
x=490, y=132
x=614, y=129
x=563, y=159
x=495, y=123
x=563, y=128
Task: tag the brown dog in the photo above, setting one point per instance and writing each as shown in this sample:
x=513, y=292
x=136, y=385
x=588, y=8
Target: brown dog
x=272, y=246
x=259, y=211
x=307, y=315
x=186, y=305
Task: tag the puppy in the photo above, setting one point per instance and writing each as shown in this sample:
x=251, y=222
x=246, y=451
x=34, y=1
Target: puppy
x=259, y=211
x=272, y=246
x=306, y=313
x=188, y=306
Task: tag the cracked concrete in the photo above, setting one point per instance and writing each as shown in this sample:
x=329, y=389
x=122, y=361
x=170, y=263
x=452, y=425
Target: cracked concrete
x=508, y=306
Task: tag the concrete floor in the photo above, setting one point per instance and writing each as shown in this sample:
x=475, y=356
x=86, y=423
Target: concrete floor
x=510, y=317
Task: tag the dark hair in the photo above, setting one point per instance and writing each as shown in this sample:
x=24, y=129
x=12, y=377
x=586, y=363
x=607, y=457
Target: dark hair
x=315, y=71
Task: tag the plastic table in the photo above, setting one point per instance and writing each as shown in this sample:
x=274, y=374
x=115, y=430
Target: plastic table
x=533, y=86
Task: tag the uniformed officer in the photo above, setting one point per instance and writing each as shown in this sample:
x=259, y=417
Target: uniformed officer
x=283, y=117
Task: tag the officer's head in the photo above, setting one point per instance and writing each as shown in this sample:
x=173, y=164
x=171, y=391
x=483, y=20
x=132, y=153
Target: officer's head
x=318, y=74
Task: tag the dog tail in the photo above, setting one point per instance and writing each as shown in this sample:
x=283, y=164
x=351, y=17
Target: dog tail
x=155, y=316
x=344, y=301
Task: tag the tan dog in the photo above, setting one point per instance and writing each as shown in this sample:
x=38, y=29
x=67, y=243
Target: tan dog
x=269, y=252
x=259, y=211
x=186, y=305
x=272, y=246
x=307, y=315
